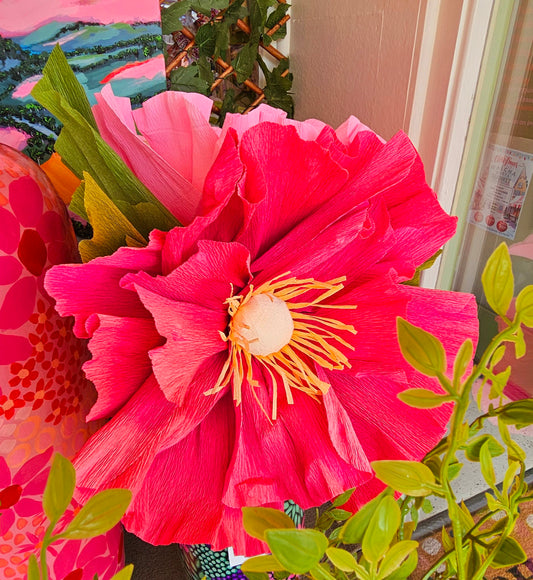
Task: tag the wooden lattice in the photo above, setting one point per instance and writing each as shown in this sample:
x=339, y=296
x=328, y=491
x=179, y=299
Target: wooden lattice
x=184, y=44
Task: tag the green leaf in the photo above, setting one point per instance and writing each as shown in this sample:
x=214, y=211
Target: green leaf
x=423, y=398
x=276, y=15
x=509, y=554
x=171, y=16
x=498, y=280
x=498, y=355
x=222, y=41
x=520, y=346
x=406, y=569
x=473, y=562
x=257, y=520
x=325, y=521
x=510, y=473
x=33, y=568
x=245, y=60
x=187, y=79
x=465, y=517
x=354, y=529
x=124, y=574
x=427, y=506
x=517, y=412
x=343, y=497
x=473, y=449
x=454, y=469
x=415, y=280
x=277, y=87
x=101, y=513
x=321, y=572
x=447, y=541
x=515, y=452
x=499, y=382
x=206, y=39
x=524, y=306
x=492, y=503
x=409, y=477
x=381, y=529
x=262, y=564
x=59, y=488
x=298, y=551
x=340, y=515
x=342, y=559
x=462, y=360
x=206, y=6
x=396, y=556
x=487, y=468
x=421, y=350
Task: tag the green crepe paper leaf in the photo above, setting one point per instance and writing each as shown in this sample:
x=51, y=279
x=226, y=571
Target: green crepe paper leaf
x=244, y=62
x=343, y=497
x=524, y=306
x=33, y=568
x=396, y=556
x=59, y=488
x=415, y=280
x=409, y=477
x=498, y=280
x=406, y=569
x=171, y=16
x=262, y=564
x=510, y=553
x=353, y=530
x=473, y=449
x=462, y=360
x=101, y=513
x=59, y=78
x=487, y=468
x=517, y=412
x=124, y=574
x=257, y=520
x=423, y=398
x=111, y=228
x=187, y=79
x=321, y=572
x=342, y=559
x=421, y=350
x=381, y=530
x=298, y=551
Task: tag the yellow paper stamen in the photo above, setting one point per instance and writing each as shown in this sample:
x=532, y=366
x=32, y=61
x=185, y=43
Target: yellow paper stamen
x=313, y=338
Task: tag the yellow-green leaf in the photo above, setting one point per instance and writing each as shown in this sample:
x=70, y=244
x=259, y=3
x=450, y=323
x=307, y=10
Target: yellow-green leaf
x=510, y=553
x=353, y=530
x=423, y=398
x=396, y=556
x=101, y=513
x=257, y=520
x=262, y=564
x=124, y=574
x=517, y=412
x=59, y=488
x=421, y=350
x=381, y=529
x=409, y=477
x=298, y=551
x=487, y=468
x=343, y=497
x=498, y=280
x=321, y=572
x=524, y=306
x=473, y=449
x=33, y=568
x=462, y=360
x=406, y=569
x=342, y=559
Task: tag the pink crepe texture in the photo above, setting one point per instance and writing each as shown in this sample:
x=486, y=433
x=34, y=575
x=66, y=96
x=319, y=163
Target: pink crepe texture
x=262, y=196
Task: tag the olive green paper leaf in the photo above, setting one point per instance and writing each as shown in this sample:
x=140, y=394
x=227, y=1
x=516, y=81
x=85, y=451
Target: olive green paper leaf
x=517, y=412
x=343, y=497
x=59, y=488
x=524, y=306
x=423, y=398
x=342, y=559
x=510, y=553
x=421, y=350
x=101, y=513
x=409, y=477
x=257, y=520
x=321, y=572
x=487, y=468
x=473, y=448
x=381, y=530
x=462, y=360
x=498, y=280
x=298, y=551
x=33, y=568
x=266, y=563
x=124, y=574
x=406, y=569
x=353, y=530
x=396, y=556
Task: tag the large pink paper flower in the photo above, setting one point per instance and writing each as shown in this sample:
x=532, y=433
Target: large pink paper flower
x=251, y=356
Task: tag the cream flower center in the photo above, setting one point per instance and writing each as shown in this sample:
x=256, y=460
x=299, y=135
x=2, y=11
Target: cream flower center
x=276, y=326
x=263, y=325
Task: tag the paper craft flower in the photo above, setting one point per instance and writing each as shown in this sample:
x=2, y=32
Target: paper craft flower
x=251, y=356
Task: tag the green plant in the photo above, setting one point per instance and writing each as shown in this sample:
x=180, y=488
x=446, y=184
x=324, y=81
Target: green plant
x=381, y=529
x=101, y=513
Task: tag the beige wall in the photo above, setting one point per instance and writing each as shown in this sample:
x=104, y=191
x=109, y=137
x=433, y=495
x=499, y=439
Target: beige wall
x=356, y=57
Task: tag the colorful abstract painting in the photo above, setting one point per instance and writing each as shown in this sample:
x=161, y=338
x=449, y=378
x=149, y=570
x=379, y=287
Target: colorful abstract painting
x=104, y=40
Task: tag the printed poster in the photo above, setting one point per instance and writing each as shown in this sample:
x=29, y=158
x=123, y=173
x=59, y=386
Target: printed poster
x=500, y=190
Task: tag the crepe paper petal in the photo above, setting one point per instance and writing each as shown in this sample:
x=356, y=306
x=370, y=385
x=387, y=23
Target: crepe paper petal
x=85, y=289
x=120, y=363
x=176, y=126
x=111, y=227
x=173, y=190
x=347, y=131
x=297, y=179
x=64, y=181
